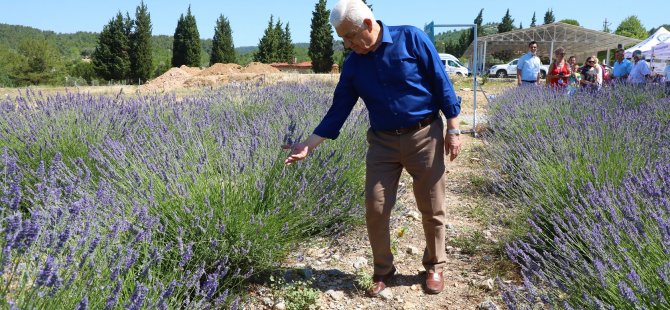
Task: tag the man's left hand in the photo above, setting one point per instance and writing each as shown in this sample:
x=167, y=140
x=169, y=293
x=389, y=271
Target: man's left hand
x=452, y=146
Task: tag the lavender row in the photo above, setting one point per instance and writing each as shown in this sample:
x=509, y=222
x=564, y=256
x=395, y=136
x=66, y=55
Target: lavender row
x=590, y=172
x=207, y=169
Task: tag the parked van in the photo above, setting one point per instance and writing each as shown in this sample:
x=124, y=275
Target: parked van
x=453, y=66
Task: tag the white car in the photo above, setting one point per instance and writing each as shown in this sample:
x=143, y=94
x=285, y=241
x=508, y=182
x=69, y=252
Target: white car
x=509, y=69
x=453, y=66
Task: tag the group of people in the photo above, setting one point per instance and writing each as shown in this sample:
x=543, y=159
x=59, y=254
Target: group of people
x=567, y=74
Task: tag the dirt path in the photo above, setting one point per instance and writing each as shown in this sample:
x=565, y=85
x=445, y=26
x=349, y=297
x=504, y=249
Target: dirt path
x=474, y=249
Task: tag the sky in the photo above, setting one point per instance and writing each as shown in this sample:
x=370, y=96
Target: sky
x=249, y=18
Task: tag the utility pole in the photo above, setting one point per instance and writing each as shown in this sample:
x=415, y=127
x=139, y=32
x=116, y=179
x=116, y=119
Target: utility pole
x=606, y=27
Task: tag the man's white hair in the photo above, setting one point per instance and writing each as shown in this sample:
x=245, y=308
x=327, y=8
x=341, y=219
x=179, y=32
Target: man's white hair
x=354, y=10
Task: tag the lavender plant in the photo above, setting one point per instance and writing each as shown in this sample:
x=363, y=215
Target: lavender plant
x=590, y=174
x=191, y=198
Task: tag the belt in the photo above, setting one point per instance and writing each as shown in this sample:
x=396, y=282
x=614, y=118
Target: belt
x=421, y=124
x=535, y=81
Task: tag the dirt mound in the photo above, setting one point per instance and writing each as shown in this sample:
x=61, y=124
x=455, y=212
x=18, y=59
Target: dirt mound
x=190, y=70
x=221, y=69
x=259, y=68
x=175, y=77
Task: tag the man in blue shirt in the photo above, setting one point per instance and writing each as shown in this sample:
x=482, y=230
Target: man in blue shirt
x=622, y=67
x=528, y=66
x=400, y=77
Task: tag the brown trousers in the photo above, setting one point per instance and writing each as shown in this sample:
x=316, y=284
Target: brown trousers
x=421, y=153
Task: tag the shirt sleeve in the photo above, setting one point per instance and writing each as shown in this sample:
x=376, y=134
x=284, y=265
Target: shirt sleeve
x=344, y=99
x=443, y=93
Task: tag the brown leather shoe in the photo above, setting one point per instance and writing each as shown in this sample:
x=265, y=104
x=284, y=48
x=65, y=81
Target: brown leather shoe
x=380, y=282
x=434, y=282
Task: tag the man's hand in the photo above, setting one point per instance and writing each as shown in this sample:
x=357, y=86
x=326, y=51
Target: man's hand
x=452, y=146
x=298, y=152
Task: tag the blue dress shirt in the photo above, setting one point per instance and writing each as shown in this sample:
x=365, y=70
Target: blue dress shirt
x=622, y=68
x=401, y=82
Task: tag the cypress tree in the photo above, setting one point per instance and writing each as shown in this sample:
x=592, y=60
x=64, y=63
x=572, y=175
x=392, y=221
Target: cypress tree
x=111, y=59
x=533, y=21
x=507, y=23
x=267, y=46
x=186, y=44
x=141, y=59
x=321, y=39
x=549, y=17
x=286, y=51
x=223, y=50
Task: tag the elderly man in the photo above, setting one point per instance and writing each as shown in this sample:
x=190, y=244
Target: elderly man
x=640, y=72
x=400, y=77
x=622, y=67
x=528, y=67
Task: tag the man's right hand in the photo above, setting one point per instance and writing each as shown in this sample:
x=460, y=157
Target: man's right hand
x=299, y=151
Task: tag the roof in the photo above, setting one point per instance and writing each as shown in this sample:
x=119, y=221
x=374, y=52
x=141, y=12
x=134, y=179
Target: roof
x=300, y=65
x=660, y=36
x=576, y=40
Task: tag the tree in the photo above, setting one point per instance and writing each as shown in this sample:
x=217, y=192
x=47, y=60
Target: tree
x=268, y=46
x=186, y=44
x=570, y=22
x=632, y=27
x=507, y=23
x=520, y=25
x=653, y=30
x=480, y=30
x=141, y=57
x=549, y=17
x=111, y=59
x=321, y=39
x=39, y=62
x=223, y=49
x=533, y=21
x=286, y=51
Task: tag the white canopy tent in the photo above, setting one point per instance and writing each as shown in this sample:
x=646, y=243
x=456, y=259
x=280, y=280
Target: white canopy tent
x=660, y=57
x=576, y=40
x=661, y=35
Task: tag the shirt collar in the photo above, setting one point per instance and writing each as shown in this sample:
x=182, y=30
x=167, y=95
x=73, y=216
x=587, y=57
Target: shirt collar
x=386, y=34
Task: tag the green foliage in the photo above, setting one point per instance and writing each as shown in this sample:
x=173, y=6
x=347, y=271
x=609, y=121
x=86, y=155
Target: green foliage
x=111, y=59
x=533, y=21
x=570, y=22
x=298, y=295
x=363, y=280
x=286, y=52
x=652, y=30
x=631, y=27
x=186, y=42
x=80, y=69
x=470, y=243
x=275, y=45
x=223, y=49
x=38, y=63
x=321, y=39
x=549, y=17
x=507, y=23
x=141, y=59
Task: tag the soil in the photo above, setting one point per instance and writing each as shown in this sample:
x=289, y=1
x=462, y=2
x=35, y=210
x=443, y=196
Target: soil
x=474, y=264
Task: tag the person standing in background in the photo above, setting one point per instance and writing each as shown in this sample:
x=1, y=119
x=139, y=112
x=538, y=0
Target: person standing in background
x=528, y=67
x=559, y=71
x=640, y=72
x=622, y=67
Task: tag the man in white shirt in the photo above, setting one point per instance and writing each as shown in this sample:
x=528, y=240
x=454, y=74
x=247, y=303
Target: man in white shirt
x=641, y=71
x=528, y=66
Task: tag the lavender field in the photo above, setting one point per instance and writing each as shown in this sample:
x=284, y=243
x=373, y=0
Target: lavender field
x=589, y=175
x=110, y=202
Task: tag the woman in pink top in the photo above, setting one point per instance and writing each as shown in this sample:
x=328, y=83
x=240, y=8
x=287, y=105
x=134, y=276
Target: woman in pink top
x=559, y=71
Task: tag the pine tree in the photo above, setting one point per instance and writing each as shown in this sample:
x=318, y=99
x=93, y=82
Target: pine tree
x=268, y=44
x=286, y=51
x=507, y=23
x=321, y=39
x=39, y=62
x=186, y=44
x=223, y=50
x=549, y=17
x=520, y=25
x=533, y=21
x=141, y=58
x=480, y=30
x=111, y=59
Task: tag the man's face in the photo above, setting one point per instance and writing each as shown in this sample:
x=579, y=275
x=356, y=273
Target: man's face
x=356, y=38
x=532, y=48
x=619, y=56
